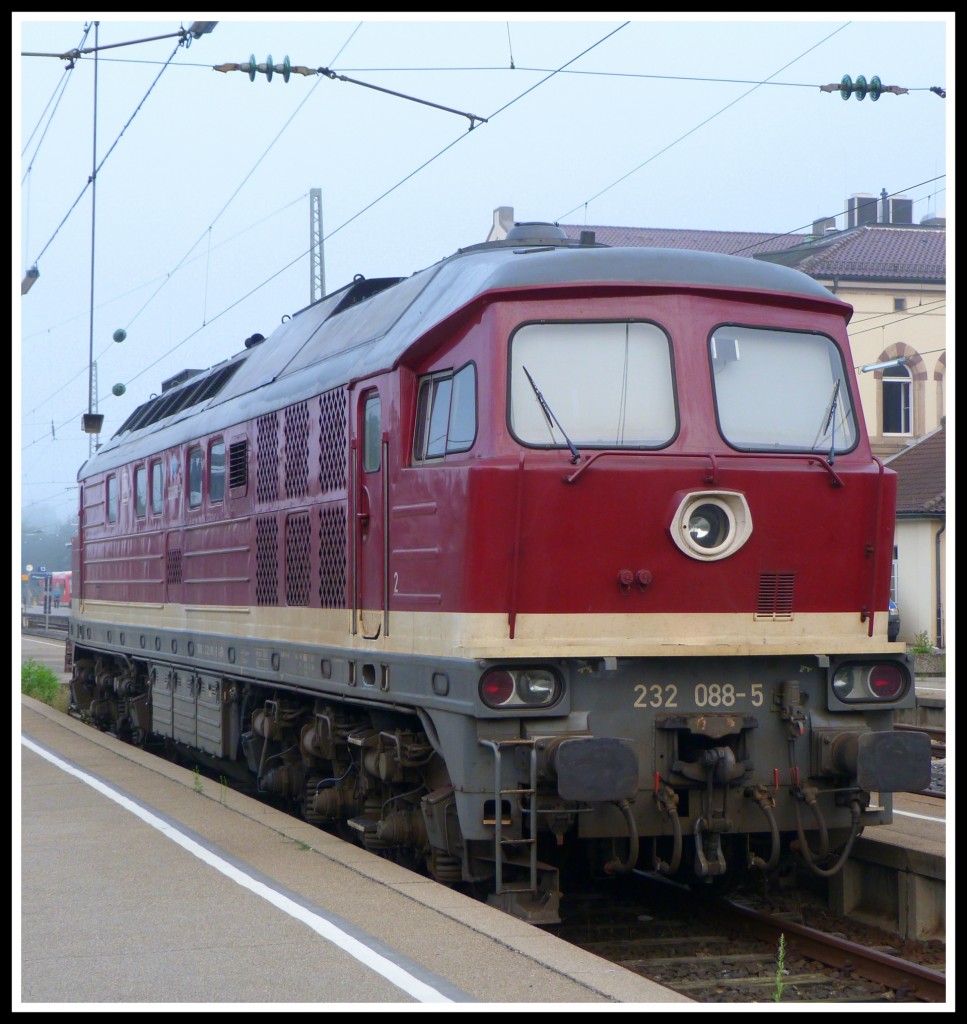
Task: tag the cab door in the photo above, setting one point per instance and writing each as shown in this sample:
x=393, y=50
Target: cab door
x=371, y=553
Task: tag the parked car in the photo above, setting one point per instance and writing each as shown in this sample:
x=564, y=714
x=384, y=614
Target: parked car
x=893, y=623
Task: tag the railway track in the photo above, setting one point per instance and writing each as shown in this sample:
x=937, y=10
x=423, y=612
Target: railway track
x=938, y=736
x=721, y=951
x=38, y=624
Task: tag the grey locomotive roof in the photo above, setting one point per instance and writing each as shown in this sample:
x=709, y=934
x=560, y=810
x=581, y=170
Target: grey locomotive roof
x=322, y=347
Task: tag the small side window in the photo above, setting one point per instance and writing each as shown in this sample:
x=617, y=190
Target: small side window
x=112, y=499
x=157, y=488
x=216, y=471
x=446, y=414
x=140, y=491
x=194, y=477
x=372, y=434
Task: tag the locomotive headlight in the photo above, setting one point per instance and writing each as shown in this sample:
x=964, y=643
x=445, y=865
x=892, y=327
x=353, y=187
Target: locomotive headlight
x=520, y=688
x=537, y=686
x=709, y=525
x=843, y=681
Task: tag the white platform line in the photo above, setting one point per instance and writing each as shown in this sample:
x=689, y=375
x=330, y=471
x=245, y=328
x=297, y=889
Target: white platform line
x=396, y=975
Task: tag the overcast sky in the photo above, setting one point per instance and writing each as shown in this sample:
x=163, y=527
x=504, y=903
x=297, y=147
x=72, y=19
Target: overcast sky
x=198, y=221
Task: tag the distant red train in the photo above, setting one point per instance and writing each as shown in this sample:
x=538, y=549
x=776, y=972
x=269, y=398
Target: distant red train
x=551, y=551
x=61, y=588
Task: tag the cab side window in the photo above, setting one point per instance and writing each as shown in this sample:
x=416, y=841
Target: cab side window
x=372, y=434
x=446, y=414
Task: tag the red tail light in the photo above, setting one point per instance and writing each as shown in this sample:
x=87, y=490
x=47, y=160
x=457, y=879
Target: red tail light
x=497, y=688
x=886, y=681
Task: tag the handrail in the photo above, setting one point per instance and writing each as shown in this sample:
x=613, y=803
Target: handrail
x=711, y=475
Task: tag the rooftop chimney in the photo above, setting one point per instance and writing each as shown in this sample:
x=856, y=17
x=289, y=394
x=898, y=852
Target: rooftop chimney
x=895, y=209
x=861, y=209
x=503, y=222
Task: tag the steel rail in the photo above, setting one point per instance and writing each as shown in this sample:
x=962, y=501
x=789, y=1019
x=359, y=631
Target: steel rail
x=883, y=968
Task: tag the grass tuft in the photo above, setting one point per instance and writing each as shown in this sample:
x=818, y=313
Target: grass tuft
x=39, y=681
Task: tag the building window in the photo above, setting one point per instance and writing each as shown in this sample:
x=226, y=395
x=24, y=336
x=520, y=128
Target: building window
x=896, y=400
x=899, y=305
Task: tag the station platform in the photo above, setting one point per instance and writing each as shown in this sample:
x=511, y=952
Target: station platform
x=143, y=883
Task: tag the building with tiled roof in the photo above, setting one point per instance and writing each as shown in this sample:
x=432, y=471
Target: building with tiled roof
x=920, y=549
x=891, y=271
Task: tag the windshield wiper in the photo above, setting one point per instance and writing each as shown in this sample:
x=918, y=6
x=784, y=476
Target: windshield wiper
x=828, y=423
x=831, y=423
x=552, y=419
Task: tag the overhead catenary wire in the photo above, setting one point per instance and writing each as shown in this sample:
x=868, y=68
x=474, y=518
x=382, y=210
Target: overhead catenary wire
x=167, y=278
x=701, y=124
x=97, y=169
x=238, y=189
x=793, y=231
x=477, y=68
x=58, y=93
x=563, y=70
x=283, y=269
x=355, y=216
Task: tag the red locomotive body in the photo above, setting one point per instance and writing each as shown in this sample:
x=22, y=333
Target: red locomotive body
x=548, y=543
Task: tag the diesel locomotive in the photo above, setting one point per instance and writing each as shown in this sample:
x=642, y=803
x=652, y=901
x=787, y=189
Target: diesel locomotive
x=549, y=553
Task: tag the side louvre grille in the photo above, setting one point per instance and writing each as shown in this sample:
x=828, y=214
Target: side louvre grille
x=173, y=565
x=266, y=561
x=267, y=458
x=333, y=441
x=298, y=568
x=332, y=556
x=776, y=591
x=297, y=450
x=238, y=464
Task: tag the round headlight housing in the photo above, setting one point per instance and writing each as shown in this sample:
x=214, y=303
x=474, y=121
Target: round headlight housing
x=886, y=682
x=497, y=688
x=709, y=525
x=844, y=681
x=521, y=688
x=882, y=682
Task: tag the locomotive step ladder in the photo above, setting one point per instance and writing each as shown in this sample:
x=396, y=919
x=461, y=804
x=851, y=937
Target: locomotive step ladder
x=504, y=847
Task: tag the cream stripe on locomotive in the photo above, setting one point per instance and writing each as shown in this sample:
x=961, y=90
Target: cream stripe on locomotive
x=443, y=634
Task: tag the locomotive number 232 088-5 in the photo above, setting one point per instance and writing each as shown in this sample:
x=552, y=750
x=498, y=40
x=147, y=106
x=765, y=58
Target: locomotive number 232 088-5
x=703, y=695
